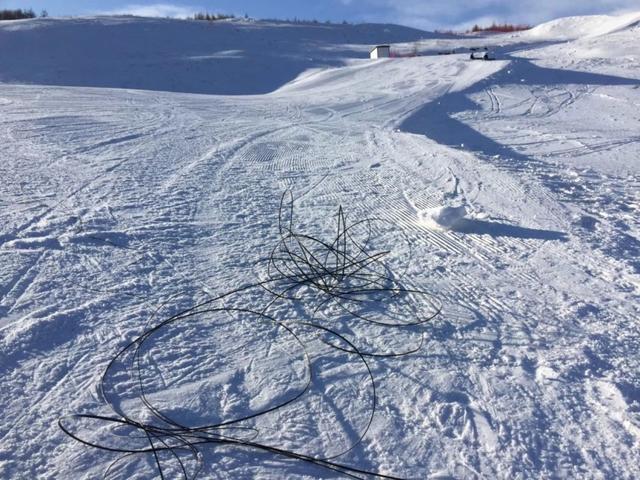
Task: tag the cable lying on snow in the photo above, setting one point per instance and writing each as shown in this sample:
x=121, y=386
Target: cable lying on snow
x=345, y=295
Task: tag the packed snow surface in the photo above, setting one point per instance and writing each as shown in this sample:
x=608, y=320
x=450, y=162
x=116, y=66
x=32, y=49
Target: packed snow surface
x=143, y=166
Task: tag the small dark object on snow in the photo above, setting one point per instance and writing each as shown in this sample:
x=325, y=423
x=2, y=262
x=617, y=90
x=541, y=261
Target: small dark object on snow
x=481, y=55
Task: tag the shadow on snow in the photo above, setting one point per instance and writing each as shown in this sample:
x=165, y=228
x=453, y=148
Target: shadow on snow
x=496, y=229
x=436, y=121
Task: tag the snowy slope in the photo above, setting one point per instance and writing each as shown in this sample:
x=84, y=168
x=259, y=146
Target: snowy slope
x=507, y=192
x=572, y=28
x=222, y=57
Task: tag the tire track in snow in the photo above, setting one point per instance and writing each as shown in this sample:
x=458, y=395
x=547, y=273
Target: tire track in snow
x=20, y=283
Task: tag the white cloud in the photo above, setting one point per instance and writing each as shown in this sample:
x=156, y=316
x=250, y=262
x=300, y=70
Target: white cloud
x=156, y=10
x=451, y=14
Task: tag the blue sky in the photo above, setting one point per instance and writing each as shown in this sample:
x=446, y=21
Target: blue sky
x=426, y=14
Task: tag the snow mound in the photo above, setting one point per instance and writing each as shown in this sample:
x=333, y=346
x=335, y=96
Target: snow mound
x=444, y=216
x=570, y=28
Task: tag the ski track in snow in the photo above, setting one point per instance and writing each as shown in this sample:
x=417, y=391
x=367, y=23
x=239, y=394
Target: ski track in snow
x=114, y=202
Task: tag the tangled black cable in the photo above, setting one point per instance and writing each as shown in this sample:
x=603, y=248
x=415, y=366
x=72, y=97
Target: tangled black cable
x=342, y=283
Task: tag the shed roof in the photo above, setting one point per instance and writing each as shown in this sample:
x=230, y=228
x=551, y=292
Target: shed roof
x=379, y=46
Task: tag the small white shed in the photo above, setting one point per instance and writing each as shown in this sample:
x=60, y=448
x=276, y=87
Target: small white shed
x=380, y=51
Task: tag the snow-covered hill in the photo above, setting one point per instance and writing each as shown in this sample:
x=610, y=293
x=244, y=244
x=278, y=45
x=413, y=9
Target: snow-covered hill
x=224, y=57
x=137, y=211
x=572, y=28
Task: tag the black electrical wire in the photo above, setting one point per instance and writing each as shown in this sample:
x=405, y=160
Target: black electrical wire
x=301, y=268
